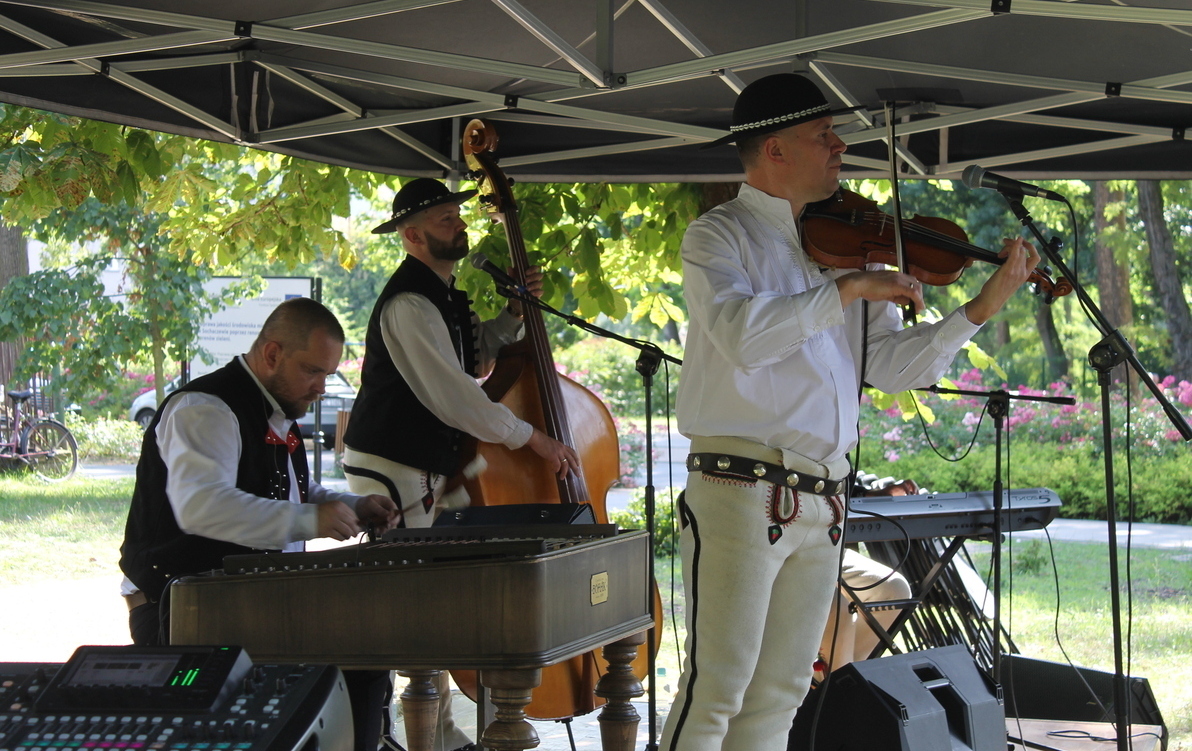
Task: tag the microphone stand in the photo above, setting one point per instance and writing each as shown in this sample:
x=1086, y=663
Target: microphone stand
x=648, y=360
x=1112, y=350
x=998, y=405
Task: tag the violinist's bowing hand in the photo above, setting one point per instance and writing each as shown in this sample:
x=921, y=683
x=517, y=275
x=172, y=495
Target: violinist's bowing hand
x=1021, y=258
x=880, y=286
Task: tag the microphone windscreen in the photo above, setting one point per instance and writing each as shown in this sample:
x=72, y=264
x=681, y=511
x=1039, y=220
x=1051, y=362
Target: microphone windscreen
x=972, y=176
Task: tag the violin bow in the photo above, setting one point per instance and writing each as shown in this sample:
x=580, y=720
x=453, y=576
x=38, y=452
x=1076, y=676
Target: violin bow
x=908, y=313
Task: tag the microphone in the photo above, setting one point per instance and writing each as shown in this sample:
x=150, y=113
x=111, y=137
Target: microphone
x=480, y=261
x=979, y=177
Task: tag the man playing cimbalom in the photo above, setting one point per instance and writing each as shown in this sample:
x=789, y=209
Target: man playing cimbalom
x=223, y=471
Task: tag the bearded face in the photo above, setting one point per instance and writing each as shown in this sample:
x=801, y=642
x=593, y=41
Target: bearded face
x=448, y=250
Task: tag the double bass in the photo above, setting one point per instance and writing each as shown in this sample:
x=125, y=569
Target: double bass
x=525, y=380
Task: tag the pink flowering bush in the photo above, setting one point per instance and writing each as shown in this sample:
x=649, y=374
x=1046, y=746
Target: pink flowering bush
x=1056, y=446
x=114, y=403
x=350, y=369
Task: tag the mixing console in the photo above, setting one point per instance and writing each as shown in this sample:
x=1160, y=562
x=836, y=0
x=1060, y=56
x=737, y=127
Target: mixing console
x=171, y=699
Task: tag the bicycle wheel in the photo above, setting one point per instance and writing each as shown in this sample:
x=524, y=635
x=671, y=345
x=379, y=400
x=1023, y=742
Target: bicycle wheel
x=50, y=450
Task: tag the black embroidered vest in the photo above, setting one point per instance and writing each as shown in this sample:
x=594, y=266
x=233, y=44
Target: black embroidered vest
x=387, y=418
x=155, y=549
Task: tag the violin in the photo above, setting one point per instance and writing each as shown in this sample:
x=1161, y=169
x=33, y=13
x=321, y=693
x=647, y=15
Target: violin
x=849, y=231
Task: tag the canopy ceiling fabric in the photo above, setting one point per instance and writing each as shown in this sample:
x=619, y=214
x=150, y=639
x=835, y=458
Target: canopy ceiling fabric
x=624, y=90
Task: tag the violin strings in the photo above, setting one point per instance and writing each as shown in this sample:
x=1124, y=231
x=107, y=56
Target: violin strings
x=951, y=243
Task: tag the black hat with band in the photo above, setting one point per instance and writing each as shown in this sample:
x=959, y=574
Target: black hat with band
x=776, y=102
x=419, y=195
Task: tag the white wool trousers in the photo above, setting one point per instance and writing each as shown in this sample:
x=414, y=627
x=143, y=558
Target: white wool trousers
x=408, y=487
x=759, y=572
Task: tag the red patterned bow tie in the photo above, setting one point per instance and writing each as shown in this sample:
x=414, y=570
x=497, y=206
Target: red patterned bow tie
x=291, y=441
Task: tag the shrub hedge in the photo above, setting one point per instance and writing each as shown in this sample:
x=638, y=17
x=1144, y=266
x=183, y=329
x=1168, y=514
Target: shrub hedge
x=1057, y=447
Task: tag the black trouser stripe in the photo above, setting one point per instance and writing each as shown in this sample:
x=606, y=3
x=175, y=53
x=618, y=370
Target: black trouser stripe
x=372, y=474
x=692, y=636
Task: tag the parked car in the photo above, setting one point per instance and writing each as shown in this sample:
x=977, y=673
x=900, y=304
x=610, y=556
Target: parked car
x=339, y=395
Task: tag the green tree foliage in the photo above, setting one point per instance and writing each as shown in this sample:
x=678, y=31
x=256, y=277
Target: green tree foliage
x=219, y=202
x=170, y=210
x=608, y=249
x=165, y=298
x=68, y=322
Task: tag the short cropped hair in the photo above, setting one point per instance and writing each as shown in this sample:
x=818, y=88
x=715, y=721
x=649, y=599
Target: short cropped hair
x=750, y=147
x=292, y=322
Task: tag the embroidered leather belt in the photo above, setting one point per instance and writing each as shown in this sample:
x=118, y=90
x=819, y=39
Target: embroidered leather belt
x=745, y=467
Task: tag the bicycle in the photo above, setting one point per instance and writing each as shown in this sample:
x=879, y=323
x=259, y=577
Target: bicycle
x=44, y=445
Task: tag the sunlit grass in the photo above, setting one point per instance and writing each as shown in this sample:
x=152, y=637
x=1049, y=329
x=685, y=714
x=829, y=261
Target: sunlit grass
x=1155, y=620
x=60, y=530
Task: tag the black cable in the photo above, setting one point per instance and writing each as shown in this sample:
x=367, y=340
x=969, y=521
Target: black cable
x=848, y=506
x=1010, y=582
x=822, y=691
x=163, y=611
x=1056, y=629
x=672, y=521
x=931, y=443
x=1130, y=511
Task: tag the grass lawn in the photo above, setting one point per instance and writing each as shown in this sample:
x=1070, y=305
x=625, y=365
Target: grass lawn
x=1079, y=618
x=73, y=530
x=64, y=530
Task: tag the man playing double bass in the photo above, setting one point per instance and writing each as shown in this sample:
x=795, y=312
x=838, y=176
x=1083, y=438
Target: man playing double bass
x=419, y=397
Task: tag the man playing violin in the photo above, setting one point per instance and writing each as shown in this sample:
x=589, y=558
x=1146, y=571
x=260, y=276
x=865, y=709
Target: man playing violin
x=418, y=395
x=775, y=353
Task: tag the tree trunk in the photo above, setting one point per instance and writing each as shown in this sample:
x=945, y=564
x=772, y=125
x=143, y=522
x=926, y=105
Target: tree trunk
x=1001, y=334
x=14, y=262
x=1055, y=359
x=1167, y=277
x=715, y=194
x=670, y=332
x=1113, y=279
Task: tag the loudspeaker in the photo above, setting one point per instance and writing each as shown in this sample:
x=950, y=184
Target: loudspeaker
x=934, y=700
x=518, y=513
x=1044, y=690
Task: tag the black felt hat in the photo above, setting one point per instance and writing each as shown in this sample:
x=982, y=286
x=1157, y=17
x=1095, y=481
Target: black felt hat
x=773, y=103
x=417, y=195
